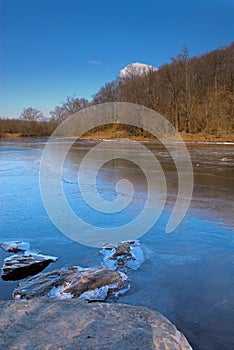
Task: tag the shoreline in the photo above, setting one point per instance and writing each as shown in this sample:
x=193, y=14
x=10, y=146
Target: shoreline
x=196, y=138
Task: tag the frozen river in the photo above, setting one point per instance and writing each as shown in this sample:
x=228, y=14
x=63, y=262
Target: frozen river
x=188, y=275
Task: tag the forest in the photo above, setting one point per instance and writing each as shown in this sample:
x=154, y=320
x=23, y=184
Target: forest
x=194, y=93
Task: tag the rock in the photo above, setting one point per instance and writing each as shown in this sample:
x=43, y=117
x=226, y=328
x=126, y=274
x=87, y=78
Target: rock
x=125, y=254
x=73, y=324
x=121, y=249
x=14, y=246
x=73, y=282
x=19, y=266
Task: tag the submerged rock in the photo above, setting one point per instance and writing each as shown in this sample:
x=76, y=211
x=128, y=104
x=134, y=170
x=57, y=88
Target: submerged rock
x=19, y=266
x=125, y=254
x=73, y=324
x=14, y=246
x=73, y=282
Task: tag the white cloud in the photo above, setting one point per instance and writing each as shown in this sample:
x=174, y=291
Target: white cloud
x=94, y=62
x=136, y=68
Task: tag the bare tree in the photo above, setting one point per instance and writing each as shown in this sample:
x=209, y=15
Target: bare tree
x=69, y=107
x=32, y=114
x=108, y=93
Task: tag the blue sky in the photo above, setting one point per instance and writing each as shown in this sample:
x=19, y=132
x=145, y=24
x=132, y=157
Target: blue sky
x=51, y=49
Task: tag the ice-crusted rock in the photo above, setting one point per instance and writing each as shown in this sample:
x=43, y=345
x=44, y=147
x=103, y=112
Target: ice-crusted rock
x=74, y=324
x=73, y=282
x=19, y=266
x=14, y=246
x=125, y=254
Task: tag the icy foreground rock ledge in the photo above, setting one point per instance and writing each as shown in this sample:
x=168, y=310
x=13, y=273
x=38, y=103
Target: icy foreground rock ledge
x=72, y=324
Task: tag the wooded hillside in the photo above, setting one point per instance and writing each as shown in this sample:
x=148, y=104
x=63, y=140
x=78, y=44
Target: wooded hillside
x=194, y=94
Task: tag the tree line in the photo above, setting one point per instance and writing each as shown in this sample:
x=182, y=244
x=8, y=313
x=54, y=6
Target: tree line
x=194, y=93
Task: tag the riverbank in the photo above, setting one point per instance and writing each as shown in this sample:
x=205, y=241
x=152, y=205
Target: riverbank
x=114, y=134
x=186, y=137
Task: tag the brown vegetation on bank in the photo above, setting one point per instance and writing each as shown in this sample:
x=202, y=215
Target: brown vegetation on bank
x=17, y=127
x=111, y=133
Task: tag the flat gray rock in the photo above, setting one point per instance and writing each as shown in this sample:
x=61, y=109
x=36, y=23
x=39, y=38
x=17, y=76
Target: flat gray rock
x=39, y=324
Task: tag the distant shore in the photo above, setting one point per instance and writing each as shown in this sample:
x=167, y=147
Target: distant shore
x=184, y=136
x=122, y=134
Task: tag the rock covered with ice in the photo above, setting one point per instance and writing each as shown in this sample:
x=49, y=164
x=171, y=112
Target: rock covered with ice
x=14, y=246
x=125, y=254
x=24, y=263
x=73, y=282
x=19, y=266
